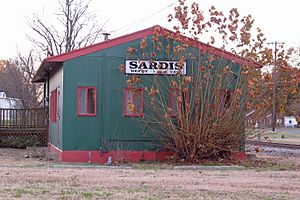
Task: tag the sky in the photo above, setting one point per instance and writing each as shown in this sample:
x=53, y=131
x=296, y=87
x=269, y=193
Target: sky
x=278, y=19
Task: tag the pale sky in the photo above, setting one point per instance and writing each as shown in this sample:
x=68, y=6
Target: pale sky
x=278, y=19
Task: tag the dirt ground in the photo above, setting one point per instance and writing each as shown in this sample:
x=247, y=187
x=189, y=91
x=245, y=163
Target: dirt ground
x=37, y=178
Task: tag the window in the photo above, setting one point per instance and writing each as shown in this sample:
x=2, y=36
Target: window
x=86, y=101
x=134, y=102
x=53, y=106
x=176, y=97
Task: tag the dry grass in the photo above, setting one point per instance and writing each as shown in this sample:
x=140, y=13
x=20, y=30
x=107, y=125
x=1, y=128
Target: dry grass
x=41, y=183
x=39, y=180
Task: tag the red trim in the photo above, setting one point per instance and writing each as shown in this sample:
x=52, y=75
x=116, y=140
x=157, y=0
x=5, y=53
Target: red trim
x=58, y=117
x=117, y=156
x=53, y=106
x=126, y=91
x=138, y=35
x=86, y=88
x=96, y=47
x=128, y=156
x=240, y=155
x=100, y=46
x=50, y=107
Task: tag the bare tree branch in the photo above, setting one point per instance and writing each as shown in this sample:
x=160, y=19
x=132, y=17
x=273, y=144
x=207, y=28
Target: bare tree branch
x=76, y=27
x=15, y=80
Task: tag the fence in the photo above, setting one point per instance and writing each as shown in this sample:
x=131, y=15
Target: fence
x=23, y=127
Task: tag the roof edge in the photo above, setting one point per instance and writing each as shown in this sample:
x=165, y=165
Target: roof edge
x=92, y=48
x=138, y=35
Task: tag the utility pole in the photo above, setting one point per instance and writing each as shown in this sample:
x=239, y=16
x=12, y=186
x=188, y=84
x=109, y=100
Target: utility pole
x=274, y=76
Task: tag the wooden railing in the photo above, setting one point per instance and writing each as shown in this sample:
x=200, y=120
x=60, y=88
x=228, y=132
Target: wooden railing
x=23, y=118
x=23, y=127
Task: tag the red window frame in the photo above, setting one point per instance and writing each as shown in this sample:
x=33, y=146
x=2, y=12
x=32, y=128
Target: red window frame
x=141, y=109
x=86, y=89
x=53, y=106
x=171, y=111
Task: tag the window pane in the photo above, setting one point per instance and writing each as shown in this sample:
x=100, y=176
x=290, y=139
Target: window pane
x=134, y=105
x=138, y=102
x=82, y=101
x=86, y=101
x=130, y=107
x=91, y=101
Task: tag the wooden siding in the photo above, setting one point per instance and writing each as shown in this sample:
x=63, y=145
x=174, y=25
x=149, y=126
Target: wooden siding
x=109, y=129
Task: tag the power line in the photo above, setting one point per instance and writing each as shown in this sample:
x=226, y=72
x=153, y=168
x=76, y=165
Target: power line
x=138, y=22
x=274, y=74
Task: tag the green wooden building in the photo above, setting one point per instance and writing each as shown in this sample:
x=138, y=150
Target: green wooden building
x=88, y=99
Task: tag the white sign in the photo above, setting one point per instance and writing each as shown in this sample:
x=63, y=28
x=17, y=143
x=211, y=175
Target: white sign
x=153, y=67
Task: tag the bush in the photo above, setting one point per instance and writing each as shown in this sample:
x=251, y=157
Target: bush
x=19, y=142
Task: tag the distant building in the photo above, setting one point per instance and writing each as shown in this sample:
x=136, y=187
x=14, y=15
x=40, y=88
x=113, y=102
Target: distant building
x=7, y=102
x=2, y=95
x=264, y=121
x=290, y=121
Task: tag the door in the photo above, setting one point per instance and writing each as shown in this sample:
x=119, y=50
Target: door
x=54, y=108
x=58, y=115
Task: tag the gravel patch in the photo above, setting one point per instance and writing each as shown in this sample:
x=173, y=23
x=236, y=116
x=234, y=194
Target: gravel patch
x=274, y=151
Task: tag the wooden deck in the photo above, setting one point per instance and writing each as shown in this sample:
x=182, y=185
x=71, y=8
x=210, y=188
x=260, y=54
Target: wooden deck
x=23, y=127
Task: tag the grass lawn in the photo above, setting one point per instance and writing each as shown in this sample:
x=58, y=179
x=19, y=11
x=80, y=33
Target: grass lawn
x=34, y=179
x=282, y=135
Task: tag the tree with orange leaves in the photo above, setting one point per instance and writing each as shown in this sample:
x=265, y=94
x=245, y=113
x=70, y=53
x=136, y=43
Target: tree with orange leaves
x=238, y=34
x=209, y=118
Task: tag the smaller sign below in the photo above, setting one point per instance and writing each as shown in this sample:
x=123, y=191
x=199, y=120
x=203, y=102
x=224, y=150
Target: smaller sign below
x=154, y=67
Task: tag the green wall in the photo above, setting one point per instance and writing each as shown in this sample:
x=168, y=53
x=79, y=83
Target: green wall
x=109, y=129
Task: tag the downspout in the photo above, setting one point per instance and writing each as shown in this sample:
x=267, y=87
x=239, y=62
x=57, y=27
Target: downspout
x=46, y=106
x=45, y=84
x=48, y=88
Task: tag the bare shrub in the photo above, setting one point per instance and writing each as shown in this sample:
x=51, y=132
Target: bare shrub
x=212, y=101
x=209, y=119
x=196, y=116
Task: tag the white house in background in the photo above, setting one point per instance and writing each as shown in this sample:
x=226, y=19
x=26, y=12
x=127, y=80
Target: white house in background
x=262, y=122
x=290, y=121
x=7, y=102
